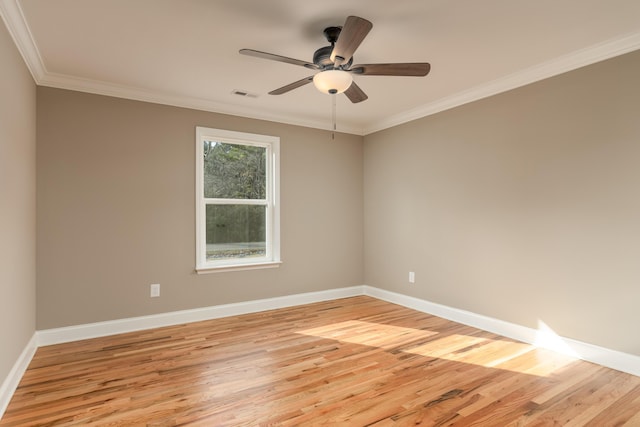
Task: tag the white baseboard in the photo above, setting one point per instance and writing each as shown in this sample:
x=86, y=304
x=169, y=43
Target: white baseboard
x=613, y=359
x=10, y=383
x=610, y=358
x=112, y=327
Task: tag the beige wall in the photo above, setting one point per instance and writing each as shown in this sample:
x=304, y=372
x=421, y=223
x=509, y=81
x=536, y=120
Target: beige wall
x=116, y=210
x=523, y=206
x=17, y=204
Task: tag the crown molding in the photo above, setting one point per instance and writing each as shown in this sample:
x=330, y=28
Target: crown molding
x=61, y=81
x=14, y=19
x=574, y=60
x=16, y=24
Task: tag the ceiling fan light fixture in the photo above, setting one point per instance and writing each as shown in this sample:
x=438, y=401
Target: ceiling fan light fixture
x=332, y=81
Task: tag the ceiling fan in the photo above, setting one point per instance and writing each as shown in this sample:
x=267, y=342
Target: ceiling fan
x=334, y=62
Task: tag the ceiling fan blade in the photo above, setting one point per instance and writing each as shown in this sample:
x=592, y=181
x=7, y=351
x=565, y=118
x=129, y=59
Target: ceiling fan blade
x=417, y=69
x=355, y=29
x=279, y=58
x=355, y=94
x=291, y=86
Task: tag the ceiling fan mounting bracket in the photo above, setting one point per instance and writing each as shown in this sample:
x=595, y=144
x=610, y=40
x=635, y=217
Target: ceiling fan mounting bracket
x=332, y=33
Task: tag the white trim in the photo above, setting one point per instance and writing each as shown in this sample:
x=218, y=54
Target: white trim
x=112, y=327
x=238, y=267
x=574, y=60
x=624, y=362
x=271, y=145
x=62, y=81
x=19, y=30
x=274, y=221
x=16, y=24
x=613, y=359
x=10, y=383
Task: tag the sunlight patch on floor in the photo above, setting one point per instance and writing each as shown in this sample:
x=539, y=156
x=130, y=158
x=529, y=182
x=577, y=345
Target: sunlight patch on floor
x=481, y=351
x=368, y=333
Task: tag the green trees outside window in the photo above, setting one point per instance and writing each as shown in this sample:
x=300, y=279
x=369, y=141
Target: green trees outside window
x=234, y=171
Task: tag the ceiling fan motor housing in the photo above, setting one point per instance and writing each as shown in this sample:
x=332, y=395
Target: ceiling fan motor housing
x=322, y=56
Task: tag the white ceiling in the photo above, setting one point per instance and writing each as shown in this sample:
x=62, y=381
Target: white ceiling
x=185, y=52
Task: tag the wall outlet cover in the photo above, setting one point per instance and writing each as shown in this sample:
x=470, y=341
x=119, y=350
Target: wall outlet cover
x=155, y=290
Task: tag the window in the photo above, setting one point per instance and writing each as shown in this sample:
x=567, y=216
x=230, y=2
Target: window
x=237, y=209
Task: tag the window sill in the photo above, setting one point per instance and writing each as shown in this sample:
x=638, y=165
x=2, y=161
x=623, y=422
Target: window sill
x=237, y=267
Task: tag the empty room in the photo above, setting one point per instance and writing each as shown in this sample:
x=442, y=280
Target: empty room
x=252, y=213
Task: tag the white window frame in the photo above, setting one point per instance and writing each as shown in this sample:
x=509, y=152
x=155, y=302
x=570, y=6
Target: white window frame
x=272, y=203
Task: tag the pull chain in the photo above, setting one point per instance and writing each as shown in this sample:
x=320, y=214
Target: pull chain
x=333, y=115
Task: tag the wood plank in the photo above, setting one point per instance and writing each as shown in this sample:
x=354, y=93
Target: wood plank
x=354, y=361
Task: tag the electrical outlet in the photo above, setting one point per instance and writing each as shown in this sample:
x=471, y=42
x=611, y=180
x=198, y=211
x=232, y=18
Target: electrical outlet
x=155, y=290
x=412, y=277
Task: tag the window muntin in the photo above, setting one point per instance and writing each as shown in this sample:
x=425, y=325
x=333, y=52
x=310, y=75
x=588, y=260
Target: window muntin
x=237, y=216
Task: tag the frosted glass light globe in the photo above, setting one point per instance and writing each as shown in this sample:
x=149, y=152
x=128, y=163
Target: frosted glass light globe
x=332, y=81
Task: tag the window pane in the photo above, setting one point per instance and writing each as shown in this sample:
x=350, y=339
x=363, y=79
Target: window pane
x=234, y=171
x=235, y=231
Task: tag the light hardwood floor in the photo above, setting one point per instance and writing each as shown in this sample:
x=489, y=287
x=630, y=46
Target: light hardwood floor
x=350, y=362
